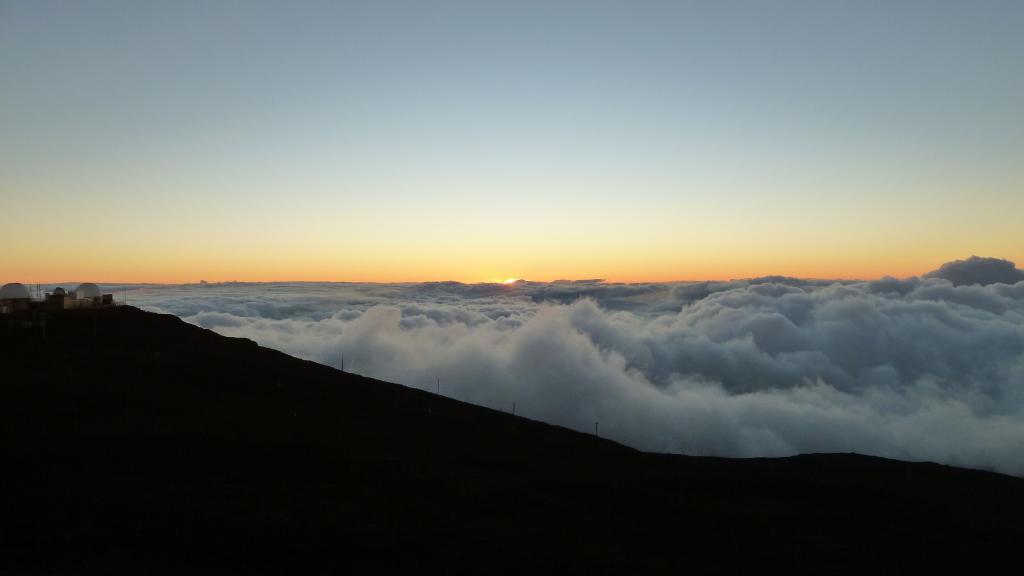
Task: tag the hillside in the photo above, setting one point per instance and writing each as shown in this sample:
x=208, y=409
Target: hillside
x=136, y=443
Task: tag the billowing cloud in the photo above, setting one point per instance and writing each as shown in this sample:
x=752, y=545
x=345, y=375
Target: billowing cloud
x=976, y=270
x=920, y=368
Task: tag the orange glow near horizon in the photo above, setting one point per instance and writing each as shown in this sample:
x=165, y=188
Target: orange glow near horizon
x=159, y=240
x=180, y=270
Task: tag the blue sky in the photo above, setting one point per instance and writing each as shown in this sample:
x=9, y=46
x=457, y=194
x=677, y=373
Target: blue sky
x=630, y=140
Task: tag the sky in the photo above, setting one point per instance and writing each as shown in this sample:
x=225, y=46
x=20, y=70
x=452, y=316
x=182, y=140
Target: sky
x=480, y=141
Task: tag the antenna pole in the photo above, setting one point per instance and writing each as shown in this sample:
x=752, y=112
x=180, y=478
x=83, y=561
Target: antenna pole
x=596, y=429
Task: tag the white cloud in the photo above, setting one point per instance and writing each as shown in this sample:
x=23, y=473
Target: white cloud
x=914, y=368
x=977, y=270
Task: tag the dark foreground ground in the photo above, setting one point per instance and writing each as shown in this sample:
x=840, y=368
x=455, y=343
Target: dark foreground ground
x=135, y=443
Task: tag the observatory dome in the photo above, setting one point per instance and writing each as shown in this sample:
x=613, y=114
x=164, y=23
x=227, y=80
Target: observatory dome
x=14, y=291
x=59, y=292
x=88, y=290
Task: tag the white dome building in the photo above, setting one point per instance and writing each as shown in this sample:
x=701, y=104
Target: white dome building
x=88, y=290
x=14, y=291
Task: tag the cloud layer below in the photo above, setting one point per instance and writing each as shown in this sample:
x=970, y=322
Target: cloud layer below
x=927, y=368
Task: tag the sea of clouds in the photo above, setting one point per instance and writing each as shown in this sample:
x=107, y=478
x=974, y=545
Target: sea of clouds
x=924, y=368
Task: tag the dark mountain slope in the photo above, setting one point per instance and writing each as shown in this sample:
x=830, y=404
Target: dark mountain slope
x=136, y=443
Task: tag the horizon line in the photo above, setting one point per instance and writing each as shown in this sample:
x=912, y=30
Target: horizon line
x=503, y=282
x=513, y=278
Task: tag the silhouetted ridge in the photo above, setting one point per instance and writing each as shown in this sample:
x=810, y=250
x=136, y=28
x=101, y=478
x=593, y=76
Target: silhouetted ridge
x=136, y=443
